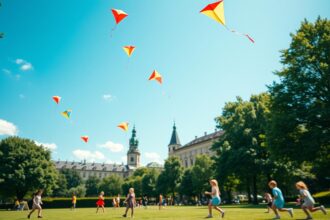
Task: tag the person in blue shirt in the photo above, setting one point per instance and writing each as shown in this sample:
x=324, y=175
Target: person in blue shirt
x=278, y=200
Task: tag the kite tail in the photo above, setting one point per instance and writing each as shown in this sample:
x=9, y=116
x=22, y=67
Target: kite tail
x=112, y=30
x=240, y=34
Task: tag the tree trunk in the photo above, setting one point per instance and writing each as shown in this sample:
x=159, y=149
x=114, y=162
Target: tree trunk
x=255, y=190
x=248, y=190
x=229, y=196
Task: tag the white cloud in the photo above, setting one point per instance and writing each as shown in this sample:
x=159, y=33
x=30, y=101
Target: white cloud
x=88, y=155
x=124, y=159
x=153, y=157
x=107, y=97
x=113, y=147
x=24, y=65
x=48, y=146
x=7, y=128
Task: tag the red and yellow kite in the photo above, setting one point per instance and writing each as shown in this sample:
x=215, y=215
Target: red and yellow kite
x=57, y=99
x=129, y=50
x=216, y=12
x=123, y=125
x=84, y=138
x=156, y=76
x=67, y=113
x=119, y=15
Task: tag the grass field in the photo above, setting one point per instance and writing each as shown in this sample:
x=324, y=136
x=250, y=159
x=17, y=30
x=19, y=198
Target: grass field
x=177, y=213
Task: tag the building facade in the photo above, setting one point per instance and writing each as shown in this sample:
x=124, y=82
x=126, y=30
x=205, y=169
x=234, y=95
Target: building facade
x=188, y=152
x=101, y=170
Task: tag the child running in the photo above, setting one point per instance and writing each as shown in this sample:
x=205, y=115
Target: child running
x=308, y=201
x=269, y=201
x=216, y=200
x=278, y=201
x=100, y=202
x=130, y=202
x=36, y=204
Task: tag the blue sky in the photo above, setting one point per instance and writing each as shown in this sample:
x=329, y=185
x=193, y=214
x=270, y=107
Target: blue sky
x=64, y=48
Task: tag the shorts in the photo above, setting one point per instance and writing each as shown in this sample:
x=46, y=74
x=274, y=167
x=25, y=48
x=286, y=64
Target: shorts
x=35, y=206
x=279, y=204
x=215, y=201
x=308, y=203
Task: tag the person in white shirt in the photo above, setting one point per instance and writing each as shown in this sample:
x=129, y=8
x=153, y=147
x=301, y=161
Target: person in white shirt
x=36, y=204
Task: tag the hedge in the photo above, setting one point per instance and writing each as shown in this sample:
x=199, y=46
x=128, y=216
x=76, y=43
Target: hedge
x=322, y=197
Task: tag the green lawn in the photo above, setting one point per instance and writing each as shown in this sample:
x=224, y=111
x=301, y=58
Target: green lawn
x=179, y=213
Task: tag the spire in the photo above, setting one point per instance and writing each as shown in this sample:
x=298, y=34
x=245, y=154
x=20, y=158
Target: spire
x=133, y=142
x=175, y=138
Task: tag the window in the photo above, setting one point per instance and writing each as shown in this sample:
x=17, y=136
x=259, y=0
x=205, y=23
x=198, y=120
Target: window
x=191, y=162
x=100, y=174
x=132, y=159
x=84, y=174
x=186, y=163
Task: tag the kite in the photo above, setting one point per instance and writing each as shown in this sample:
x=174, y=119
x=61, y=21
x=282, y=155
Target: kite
x=123, y=126
x=119, y=15
x=84, y=138
x=156, y=76
x=67, y=113
x=129, y=50
x=57, y=99
x=216, y=12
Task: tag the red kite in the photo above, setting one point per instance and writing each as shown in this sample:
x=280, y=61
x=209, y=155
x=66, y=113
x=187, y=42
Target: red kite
x=123, y=125
x=84, y=138
x=129, y=50
x=119, y=15
x=57, y=99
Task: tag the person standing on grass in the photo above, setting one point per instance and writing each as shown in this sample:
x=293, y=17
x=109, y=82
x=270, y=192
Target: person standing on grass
x=118, y=201
x=278, y=200
x=36, y=204
x=130, y=202
x=216, y=200
x=74, y=201
x=160, y=204
x=145, y=202
x=269, y=201
x=100, y=202
x=308, y=201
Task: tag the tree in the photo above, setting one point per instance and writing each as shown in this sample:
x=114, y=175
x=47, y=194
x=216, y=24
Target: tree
x=201, y=173
x=186, y=186
x=61, y=188
x=170, y=178
x=73, y=178
x=79, y=191
x=25, y=167
x=111, y=185
x=242, y=150
x=300, y=101
x=149, y=182
x=92, y=186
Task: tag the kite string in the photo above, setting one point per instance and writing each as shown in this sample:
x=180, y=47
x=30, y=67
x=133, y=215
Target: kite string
x=112, y=30
x=239, y=33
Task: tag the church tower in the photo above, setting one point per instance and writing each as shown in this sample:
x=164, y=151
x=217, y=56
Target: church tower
x=174, y=142
x=133, y=154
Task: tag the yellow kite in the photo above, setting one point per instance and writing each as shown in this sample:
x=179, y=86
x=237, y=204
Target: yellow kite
x=129, y=50
x=123, y=126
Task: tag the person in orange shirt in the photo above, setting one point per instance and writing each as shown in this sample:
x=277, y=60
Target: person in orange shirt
x=74, y=201
x=160, y=201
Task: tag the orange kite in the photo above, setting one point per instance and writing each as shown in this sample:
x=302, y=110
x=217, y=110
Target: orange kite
x=156, y=76
x=129, y=50
x=123, y=125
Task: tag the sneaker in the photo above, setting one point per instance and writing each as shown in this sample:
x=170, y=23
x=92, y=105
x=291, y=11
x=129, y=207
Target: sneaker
x=291, y=212
x=39, y=216
x=223, y=215
x=276, y=217
x=29, y=216
x=124, y=215
x=323, y=210
x=209, y=216
x=309, y=217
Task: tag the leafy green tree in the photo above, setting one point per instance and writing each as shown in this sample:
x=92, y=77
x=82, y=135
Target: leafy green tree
x=73, y=178
x=149, y=182
x=186, y=186
x=201, y=173
x=141, y=171
x=92, y=186
x=61, y=188
x=79, y=191
x=111, y=185
x=242, y=150
x=300, y=101
x=170, y=178
x=25, y=167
